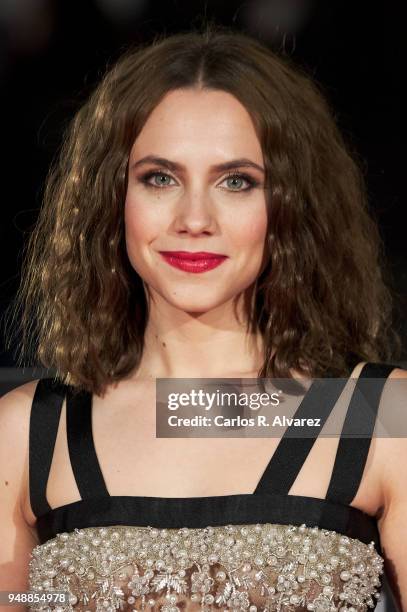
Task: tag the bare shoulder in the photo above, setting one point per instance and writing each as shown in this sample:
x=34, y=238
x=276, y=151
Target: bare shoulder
x=398, y=373
x=386, y=483
x=394, y=449
x=392, y=399
x=388, y=453
x=15, y=411
x=391, y=523
x=17, y=537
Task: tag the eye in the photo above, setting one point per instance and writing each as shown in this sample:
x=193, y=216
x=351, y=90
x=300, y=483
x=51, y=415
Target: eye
x=156, y=173
x=238, y=178
x=235, y=180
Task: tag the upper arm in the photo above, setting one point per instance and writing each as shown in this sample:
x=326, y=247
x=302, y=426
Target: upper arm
x=392, y=523
x=16, y=536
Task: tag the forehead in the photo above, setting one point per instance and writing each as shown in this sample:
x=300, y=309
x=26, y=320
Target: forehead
x=205, y=119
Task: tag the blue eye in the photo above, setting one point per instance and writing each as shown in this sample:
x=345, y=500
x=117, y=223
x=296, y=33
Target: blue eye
x=237, y=176
x=146, y=177
x=242, y=177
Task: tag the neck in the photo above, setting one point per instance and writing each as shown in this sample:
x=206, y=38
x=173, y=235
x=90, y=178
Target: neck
x=214, y=344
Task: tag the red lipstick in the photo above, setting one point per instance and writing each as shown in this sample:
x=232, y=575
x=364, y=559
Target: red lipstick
x=199, y=261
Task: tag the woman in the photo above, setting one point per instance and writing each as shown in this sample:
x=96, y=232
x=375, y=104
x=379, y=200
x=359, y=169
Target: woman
x=204, y=219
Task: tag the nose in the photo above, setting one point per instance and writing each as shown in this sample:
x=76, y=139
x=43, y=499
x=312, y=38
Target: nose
x=195, y=213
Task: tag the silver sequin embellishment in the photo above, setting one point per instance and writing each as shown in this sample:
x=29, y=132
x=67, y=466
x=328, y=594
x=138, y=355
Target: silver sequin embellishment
x=247, y=568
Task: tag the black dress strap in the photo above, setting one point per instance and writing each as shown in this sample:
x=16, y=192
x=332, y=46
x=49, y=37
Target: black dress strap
x=44, y=419
x=82, y=452
x=361, y=416
x=291, y=452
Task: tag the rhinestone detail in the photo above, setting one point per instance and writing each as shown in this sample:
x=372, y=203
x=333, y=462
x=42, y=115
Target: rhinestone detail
x=248, y=568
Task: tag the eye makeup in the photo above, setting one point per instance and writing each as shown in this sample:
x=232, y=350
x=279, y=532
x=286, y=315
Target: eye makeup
x=251, y=182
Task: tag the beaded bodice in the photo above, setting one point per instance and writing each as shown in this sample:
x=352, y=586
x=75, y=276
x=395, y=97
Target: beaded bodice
x=232, y=567
x=265, y=551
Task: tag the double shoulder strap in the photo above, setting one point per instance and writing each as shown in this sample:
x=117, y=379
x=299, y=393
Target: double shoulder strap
x=280, y=472
x=45, y=416
x=352, y=452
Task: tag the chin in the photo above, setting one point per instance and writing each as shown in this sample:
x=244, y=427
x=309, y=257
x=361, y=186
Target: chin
x=196, y=305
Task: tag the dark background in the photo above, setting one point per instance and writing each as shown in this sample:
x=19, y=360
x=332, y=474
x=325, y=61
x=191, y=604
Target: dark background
x=52, y=52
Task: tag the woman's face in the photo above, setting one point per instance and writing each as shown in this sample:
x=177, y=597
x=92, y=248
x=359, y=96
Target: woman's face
x=190, y=201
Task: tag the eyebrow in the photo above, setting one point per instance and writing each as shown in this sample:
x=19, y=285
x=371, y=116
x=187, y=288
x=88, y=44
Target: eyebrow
x=241, y=162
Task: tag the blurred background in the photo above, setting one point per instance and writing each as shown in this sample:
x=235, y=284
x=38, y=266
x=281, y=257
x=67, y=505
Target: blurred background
x=52, y=52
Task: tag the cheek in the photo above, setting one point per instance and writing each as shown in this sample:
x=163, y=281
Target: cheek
x=251, y=231
x=141, y=224
x=135, y=230
x=139, y=232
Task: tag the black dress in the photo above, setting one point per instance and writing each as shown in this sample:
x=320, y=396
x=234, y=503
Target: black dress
x=263, y=551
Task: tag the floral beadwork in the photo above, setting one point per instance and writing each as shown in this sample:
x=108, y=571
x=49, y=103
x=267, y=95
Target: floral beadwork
x=248, y=568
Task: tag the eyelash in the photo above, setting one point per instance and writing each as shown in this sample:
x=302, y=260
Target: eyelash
x=241, y=175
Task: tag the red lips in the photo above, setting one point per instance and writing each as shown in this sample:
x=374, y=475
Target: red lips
x=199, y=261
x=192, y=256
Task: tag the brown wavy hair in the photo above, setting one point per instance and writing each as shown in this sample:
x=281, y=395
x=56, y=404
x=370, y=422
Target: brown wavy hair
x=320, y=299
